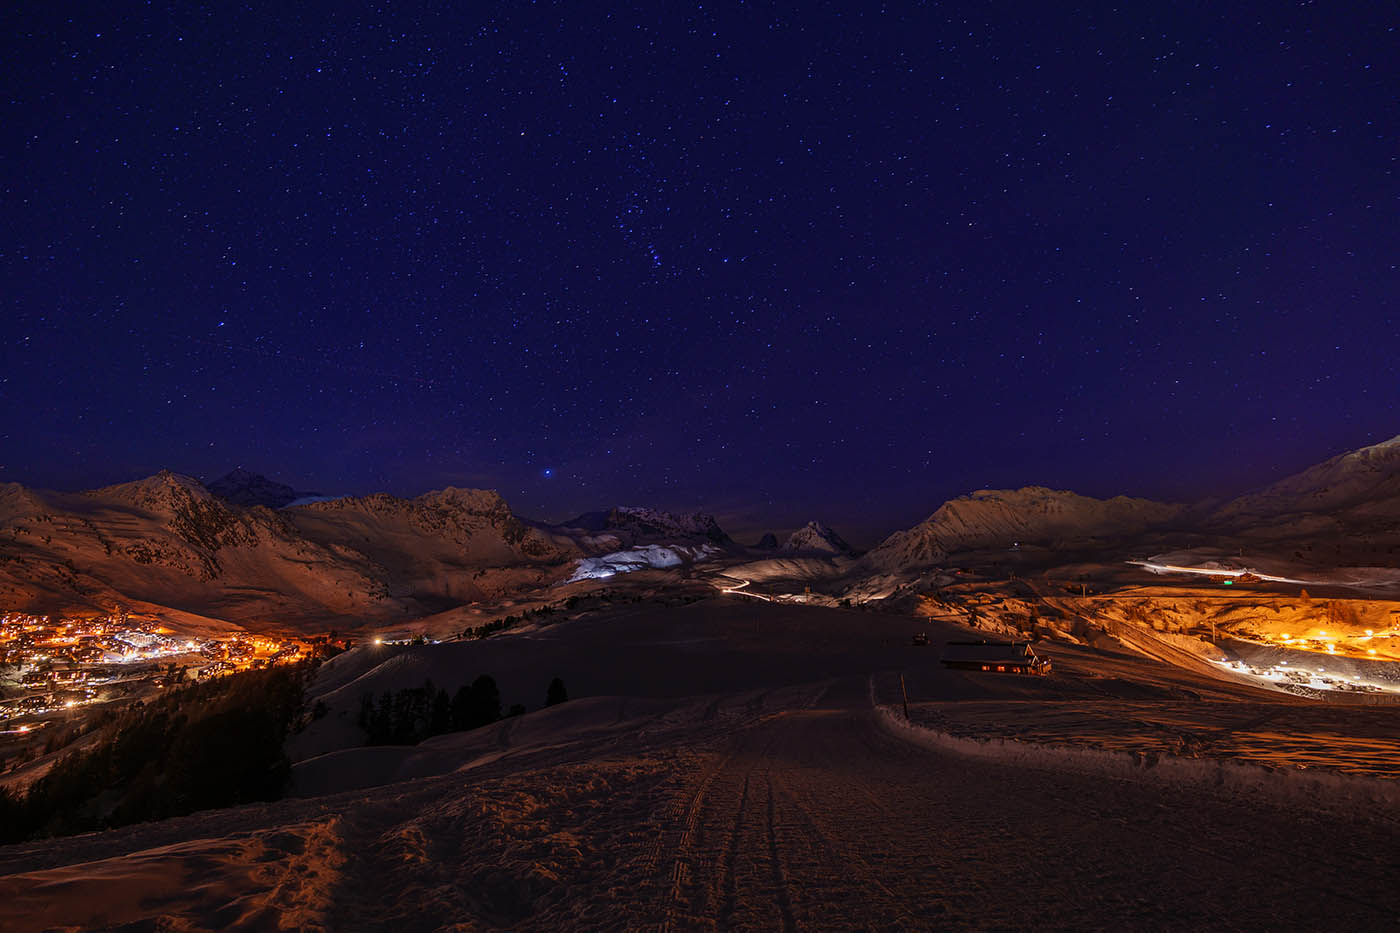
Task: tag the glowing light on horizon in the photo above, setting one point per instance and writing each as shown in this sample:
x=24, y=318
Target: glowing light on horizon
x=1219, y=572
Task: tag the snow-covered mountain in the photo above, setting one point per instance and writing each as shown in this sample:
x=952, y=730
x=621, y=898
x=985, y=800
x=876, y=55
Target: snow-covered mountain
x=1347, y=507
x=243, y=487
x=630, y=526
x=167, y=542
x=1005, y=517
x=815, y=538
x=643, y=557
x=1365, y=482
x=628, y=538
x=433, y=543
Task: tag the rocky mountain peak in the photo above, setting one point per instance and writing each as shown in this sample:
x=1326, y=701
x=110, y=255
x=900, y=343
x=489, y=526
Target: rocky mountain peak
x=661, y=522
x=246, y=488
x=815, y=538
x=636, y=524
x=162, y=492
x=485, y=501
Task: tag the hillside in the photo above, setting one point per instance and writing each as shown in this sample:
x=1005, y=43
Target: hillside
x=1003, y=518
x=724, y=765
x=1343, y=511
x=166, y=541
x=1364, y=483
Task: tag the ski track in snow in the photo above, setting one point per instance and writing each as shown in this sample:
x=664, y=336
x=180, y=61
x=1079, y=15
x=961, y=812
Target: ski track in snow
x=781, y=809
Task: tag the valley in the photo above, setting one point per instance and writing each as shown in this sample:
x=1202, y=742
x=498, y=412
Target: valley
x=1221, y=675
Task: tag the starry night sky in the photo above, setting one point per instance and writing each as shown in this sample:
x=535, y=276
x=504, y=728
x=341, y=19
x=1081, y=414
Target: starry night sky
x=778, y=263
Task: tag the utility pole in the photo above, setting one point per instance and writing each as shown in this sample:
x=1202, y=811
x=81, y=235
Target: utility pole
x=905, y=693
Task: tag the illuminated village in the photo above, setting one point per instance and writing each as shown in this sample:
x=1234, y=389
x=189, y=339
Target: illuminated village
x=53, y=664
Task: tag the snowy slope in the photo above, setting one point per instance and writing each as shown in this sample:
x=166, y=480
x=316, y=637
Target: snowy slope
x=1001, y=518
x=741, y=779
x=166, y=541
x=1364, y=481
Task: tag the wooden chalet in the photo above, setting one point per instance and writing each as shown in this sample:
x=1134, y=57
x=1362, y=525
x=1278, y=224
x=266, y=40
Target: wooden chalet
x=996, y=657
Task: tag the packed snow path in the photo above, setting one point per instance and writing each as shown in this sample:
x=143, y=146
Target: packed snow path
x=815, y=818
x=782, y=809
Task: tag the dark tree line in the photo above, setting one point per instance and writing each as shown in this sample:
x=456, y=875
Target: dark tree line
x=486, y=630
x=410, y=715
x=505, y=623
x=214, y=744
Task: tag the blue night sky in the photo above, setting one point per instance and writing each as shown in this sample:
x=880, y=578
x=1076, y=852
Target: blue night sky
x=774, y=262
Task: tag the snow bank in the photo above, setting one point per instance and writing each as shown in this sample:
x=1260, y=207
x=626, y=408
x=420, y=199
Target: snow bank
x=647, y=557
x=582, y=724
x=1338, y=794
x=277, y=878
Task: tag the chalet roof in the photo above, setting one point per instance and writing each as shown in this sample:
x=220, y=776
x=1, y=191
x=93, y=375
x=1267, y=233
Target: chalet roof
x=996, y=652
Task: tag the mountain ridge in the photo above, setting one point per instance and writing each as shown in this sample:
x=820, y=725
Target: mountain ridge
x=1366, y=475
x=1007, y=517
x=167, y=539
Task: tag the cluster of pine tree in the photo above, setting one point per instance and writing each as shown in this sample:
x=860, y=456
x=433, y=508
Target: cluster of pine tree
x=488, y=629
x=508, y=622
x=213, y=744
x=410, y=715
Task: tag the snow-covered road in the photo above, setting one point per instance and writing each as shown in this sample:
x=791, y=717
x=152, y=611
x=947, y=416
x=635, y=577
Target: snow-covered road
x=741, y=590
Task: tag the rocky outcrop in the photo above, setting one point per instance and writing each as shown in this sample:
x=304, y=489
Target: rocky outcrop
x=631, y=526
x=815, y=538
x=242, y=487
